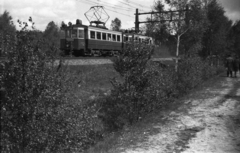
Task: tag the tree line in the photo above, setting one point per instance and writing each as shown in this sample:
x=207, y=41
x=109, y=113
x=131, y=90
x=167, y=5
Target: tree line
x=205, y=30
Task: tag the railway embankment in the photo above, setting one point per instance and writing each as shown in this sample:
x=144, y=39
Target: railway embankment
x=99, y=61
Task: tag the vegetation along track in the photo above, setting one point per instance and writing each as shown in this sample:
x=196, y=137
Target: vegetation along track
x=97, y=61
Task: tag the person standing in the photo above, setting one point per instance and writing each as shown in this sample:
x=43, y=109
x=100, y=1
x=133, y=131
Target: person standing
x=229, y=65
x=235, y=66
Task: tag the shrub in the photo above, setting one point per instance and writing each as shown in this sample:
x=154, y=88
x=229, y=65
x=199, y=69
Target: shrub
x=147, y=86
x=193, y=71
x=129, y=100
x=39, y=113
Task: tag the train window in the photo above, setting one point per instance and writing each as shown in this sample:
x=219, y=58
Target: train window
x=98, y=35
x=109, y=37
x=126, y=38
x=68, y=35
x=74, y=33
x=130, y=38
x=62, y=34
x=139, y=40
x=104, y=36
x=118, y=38
x=114, y=37
x=92, y=34
x=80, y=33
x=146, y=41
x=136, y=39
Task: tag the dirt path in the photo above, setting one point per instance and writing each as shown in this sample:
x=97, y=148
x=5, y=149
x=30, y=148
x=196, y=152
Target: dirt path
x=208, y=122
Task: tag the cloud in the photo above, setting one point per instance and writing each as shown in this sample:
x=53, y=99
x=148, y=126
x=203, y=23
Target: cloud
x=234, y=15
x=231, y=5
x=42, y=11
x=232, y=8
x=128, y=24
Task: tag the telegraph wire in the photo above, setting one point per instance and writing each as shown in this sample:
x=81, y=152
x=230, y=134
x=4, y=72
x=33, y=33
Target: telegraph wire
x=128, y=2
x=111, y=6
x=106, y=7
x=137, y=4
x=129, y=6
x=119, y=12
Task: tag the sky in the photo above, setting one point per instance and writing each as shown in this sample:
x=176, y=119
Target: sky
x=45, y=11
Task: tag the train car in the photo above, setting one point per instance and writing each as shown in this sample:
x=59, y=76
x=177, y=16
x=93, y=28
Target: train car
x=80, y=39
x=137, y=38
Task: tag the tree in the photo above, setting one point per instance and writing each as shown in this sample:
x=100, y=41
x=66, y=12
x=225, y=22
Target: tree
x=215, y=37
x=235, y=38
x=7, y=28
x=63, y=25
x=116, y=24
x=52, y=33
x=179, y=26
x=191, y=43
x=158, y=30
x=6, y=23
x=186, y=27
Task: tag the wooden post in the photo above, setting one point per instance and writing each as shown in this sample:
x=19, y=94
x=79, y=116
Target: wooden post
x=177, y=52
x=136, y=22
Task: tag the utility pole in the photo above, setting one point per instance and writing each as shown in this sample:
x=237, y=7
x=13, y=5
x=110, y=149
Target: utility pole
x=136, y=21
x=161, y=13
x=170, y=19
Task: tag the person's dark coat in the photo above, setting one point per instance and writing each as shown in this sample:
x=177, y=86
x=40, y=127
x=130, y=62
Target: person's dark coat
x=230, y=64
x=236, y=65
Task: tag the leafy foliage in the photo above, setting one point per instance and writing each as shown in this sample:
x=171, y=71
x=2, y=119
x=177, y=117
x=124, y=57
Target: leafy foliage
x=116, y=24
x=7, y=29
x=128, y=98
x=52, y=33
x=215, y=37
x=147, y=86
x=6, y=23
x=39, y=113
x=234, y=39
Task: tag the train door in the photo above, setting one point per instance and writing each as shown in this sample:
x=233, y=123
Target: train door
x=86, y=39
x=68, y=41
x=62, y=40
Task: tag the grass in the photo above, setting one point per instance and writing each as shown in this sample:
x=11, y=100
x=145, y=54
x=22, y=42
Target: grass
x=161, y=51
x=92, y=80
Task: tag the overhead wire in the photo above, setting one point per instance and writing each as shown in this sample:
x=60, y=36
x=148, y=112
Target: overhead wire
x=130, y=3
x=110, y=5
x=134, y=3
x=126, y=5
x=106, y=7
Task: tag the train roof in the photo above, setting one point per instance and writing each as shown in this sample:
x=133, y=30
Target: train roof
x=101, y=29
x=106, y=30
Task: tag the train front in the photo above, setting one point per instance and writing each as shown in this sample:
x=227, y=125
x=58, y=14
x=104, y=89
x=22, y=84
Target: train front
x=73, y=41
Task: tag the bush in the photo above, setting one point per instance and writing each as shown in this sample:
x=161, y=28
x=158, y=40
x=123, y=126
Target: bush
x=147, y=86
x=193, y=71
x=130, y=99
x=39, y=113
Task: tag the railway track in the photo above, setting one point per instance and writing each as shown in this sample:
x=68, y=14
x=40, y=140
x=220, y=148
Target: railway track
x=94, y=60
